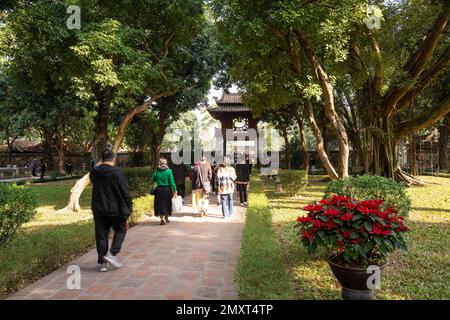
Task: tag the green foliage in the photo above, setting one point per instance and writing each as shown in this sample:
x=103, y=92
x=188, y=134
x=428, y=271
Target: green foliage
x=139, y=181
x=259, y=36
x=293, y=181
x=372, y=187
x=142, y=208
x=17, y=206
x=261, y=272
x=139, y=185
x=138, y=171
x=118, y=59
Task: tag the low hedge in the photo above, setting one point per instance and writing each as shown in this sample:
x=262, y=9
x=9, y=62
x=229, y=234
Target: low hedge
x=139, y=181
x=372, y=187
x=17, y=206
x=293, y=181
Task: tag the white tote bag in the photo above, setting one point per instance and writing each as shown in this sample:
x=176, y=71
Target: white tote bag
x=177, y=203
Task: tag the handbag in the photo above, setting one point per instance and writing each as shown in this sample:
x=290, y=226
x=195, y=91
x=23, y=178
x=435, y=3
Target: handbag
x=177, y=204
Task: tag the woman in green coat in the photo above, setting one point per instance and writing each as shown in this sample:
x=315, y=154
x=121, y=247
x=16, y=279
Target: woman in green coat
x=165, y=190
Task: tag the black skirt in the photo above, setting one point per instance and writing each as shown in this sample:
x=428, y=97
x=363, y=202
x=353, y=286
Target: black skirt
x=163, y=201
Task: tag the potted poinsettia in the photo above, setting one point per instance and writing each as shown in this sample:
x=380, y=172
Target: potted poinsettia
x=360, y=235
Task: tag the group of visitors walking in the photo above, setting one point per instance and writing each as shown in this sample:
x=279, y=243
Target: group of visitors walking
x=112, y=204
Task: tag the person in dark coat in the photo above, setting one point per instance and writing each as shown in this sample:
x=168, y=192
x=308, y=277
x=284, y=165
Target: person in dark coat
x=249, y=163
x=43, y=168
x=197, y=185
x=33, y=167
x=213, y=177
x=179, y=174
x=312, y=164
x=70, y=168
x=112, y=206
x=242, y=180
x=165, y=190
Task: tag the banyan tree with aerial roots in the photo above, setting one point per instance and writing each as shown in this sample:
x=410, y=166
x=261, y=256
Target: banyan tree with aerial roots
x=375, y=78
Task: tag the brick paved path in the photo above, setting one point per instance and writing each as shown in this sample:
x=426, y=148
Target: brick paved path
x=190, y=258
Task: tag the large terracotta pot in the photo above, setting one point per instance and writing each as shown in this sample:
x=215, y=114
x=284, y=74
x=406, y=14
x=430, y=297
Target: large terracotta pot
x=353, y=280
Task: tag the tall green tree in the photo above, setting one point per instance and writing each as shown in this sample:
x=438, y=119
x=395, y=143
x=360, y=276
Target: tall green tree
x=392, y=72
x=127, y=56
x=285, y=51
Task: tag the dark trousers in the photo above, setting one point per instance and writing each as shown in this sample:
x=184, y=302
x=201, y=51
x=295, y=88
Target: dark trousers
x=242, y=189
x=181, y=188
x=33, y=172
x=103, y=224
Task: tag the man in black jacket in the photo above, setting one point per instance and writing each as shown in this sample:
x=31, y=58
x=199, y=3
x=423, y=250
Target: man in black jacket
x=242, y=180
x=112, y=206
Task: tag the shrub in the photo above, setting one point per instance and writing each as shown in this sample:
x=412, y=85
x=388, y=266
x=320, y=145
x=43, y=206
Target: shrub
x=139, y=181
x=142, y=207
x=358, y=233
x=366, y=187
x=17, y=206
x=293, y=181
x=138, y=171
x=139, y=186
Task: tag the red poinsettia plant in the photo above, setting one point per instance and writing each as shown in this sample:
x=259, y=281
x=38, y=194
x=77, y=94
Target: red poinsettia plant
x=358, y=233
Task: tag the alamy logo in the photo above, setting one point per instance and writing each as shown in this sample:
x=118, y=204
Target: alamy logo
x=373, y=282
x=74, y=20
x=374, y=15
x=73, y=282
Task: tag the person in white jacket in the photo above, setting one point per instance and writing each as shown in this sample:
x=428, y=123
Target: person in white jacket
x=226, y=175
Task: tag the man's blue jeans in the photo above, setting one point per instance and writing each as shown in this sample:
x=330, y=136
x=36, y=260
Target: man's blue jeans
x=227, y=199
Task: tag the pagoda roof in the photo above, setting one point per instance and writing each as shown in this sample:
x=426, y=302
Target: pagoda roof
x=230, y=103
x=228, y=99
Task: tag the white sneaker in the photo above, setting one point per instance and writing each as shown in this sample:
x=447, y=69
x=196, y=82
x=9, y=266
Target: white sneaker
x=103, y=266
x=113, y=260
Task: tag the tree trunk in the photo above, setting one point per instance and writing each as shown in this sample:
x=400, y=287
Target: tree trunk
x=101, y=130
x=156, y=145
x=47, y=154
x=388, y=156
x=319, y=142
x=330, y=111
x=413, y=156
x=155, y=154
x=75, y=193
x=304, y=141
x=444, y=131
x=325, y=136
x=60, y=159
x=287, y=153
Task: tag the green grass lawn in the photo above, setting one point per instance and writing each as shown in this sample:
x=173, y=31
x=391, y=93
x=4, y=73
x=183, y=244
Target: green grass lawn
x=261, y=270
x=421, y=273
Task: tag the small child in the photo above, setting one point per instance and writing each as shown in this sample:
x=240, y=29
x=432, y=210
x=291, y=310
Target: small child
x=203, y=206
